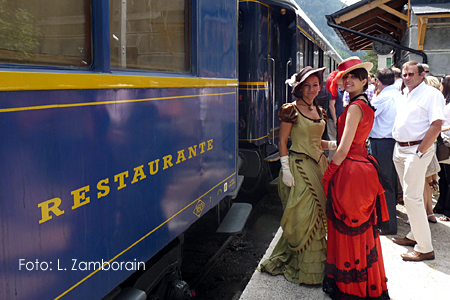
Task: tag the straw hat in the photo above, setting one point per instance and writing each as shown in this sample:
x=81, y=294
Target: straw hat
x=351, y=64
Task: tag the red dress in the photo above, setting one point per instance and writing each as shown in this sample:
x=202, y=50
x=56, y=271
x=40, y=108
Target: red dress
x=354, y=267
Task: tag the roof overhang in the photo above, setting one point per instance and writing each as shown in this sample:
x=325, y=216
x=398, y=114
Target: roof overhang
x=371, y=17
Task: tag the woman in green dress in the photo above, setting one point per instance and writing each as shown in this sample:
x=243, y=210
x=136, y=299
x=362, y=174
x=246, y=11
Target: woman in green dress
x=301, y=251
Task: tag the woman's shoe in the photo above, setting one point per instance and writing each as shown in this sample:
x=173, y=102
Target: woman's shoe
x=444, y=218
x=432, y=218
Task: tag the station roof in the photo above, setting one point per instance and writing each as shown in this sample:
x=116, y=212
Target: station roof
x=371, y=17
x=391, y=17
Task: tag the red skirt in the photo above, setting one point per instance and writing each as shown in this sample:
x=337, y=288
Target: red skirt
x=354, y=267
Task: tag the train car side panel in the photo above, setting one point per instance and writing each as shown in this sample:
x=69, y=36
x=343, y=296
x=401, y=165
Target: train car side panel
x=97, y=176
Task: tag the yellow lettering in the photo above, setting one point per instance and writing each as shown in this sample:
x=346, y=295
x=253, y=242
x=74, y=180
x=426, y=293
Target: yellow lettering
x=121, y=178
x=152, y=171
x=167, y=161
x=46, y=209
x=102, y=186
x=181, y=156
x=192, y=151
x=210, y=145
x=79, y=195
x=138, y=172
x=202, y=146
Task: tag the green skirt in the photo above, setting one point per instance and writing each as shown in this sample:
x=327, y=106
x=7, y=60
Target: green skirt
x=301, y=251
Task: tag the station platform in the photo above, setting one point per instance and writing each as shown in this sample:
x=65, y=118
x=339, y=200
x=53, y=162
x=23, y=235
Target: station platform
x=406, y=280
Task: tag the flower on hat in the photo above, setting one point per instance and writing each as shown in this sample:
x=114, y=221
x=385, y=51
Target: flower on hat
x=291, y=80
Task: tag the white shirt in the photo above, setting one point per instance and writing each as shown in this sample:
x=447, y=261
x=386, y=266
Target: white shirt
x=398, y=84
x=446, y=122
x=416, y=110
x=370, y=92
x=386, y=105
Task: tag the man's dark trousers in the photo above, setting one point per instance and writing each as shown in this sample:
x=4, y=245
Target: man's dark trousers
x=382, y=150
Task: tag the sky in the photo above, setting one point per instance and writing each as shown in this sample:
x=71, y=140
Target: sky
x=350, y=2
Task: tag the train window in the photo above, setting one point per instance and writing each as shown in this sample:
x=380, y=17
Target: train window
x=311, y=54
x=45, y=32
x=316, y=56
x=321, y=58
x=150, y=35
x=301, y=57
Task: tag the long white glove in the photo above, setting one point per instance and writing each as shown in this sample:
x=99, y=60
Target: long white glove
x=288, y=179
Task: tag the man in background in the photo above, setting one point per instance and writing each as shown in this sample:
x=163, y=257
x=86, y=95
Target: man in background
x=398, y=78
x=381, y=141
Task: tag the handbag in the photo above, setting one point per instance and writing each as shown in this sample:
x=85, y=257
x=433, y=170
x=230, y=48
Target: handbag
x=442, y=151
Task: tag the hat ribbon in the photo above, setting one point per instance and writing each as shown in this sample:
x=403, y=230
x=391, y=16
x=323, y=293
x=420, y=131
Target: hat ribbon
x=348, y=64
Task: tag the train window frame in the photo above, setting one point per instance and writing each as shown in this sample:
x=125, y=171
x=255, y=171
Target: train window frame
x=187, y=41
x=35, y=60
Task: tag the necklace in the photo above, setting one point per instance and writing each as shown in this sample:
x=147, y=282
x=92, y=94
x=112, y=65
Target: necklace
x=310, y=106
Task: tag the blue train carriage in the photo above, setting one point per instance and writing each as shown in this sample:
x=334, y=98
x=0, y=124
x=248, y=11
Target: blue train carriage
x=276, y=40
x=118, y=131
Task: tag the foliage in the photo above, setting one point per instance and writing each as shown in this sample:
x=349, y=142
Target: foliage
x=18, y=31
x=316, y=11
x=373, y=58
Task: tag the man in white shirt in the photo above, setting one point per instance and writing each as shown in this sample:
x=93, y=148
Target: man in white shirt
x=398, y=78
x=418, y=123
x=381, y=141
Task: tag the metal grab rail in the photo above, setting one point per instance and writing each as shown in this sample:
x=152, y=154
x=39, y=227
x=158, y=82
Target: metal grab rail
x=273, y=102
x=287, y=77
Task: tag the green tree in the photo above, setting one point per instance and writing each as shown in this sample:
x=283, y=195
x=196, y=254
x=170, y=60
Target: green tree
x=373, y=58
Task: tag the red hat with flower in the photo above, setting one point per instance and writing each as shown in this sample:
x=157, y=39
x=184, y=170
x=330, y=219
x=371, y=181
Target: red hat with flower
x=344, y=67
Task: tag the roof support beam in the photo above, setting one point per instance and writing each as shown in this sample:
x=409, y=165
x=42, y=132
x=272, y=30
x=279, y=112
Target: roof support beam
x=422, y=27
x=360, y=11
x=393, y=23
x=394, y=12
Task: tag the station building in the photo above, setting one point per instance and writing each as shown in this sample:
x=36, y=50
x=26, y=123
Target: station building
x=398, y=31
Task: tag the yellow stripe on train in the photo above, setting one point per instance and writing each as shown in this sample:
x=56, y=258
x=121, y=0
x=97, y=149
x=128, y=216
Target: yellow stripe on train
x=26, y=81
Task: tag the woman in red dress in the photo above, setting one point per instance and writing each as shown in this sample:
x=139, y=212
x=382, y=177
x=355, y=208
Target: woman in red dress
x=354, y=267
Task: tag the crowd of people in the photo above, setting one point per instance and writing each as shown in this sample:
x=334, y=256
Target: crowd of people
x=385, y=136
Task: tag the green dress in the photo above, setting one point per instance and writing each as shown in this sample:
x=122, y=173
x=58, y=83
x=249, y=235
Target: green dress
x=301, y=251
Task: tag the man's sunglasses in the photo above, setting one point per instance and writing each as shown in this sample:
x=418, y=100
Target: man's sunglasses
x=404, y=75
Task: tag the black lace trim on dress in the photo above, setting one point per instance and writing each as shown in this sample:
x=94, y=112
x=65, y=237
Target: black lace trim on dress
x=352, y=275
x=330, y=287
x=366, y=100
x=341, y=227
x=314, y=120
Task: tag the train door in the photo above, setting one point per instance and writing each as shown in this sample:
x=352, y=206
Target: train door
x=282, y=66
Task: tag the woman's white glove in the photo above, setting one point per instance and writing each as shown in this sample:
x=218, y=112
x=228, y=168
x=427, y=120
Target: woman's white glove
x=332, y=145
x=288, y=179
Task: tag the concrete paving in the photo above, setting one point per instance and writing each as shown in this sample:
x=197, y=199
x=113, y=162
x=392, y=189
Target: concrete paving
x=406, y=280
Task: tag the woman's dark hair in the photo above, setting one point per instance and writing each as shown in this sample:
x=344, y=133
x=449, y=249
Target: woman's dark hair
x=446, y=88
x=297, y=91
x=361, y=74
